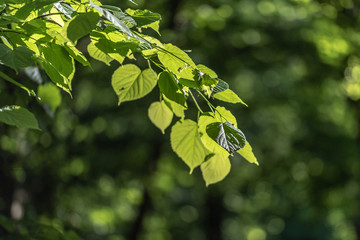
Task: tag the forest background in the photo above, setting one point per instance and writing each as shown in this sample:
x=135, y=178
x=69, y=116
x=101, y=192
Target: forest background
x=105, y=172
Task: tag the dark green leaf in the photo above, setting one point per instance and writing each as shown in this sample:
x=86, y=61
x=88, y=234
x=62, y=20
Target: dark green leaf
x=81, y=25
x=170, y=89
x=20, y=57
x=18, y=116
x=221, y=86
x=226, y=135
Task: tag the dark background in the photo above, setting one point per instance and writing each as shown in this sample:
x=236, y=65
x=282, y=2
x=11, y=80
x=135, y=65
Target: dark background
x=107, y=173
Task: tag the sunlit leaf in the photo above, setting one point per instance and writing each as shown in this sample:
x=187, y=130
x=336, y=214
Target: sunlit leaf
x=226, y=135
x=18, y=116
x=99, y=55
x=130, y=83
x=248, y=154
x=186, y=142
x=229, y=96
x=215, y=169
x=160, y=115
x=177, y=61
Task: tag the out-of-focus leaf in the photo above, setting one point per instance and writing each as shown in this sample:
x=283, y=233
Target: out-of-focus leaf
x=19, y=117
x=50, y=95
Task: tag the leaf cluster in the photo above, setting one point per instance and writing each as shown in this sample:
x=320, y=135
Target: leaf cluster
x=41, y=36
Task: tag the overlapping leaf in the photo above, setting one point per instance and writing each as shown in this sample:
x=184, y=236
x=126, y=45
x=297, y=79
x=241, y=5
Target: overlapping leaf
x=160, y=115
x=226, y=135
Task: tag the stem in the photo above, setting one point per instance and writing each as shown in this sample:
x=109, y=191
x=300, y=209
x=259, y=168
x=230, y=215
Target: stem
x=9, y=79
x=46, y=15
x=197, y=105
x=212, y=107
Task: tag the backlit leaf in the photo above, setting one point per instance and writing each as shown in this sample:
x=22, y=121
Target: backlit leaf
x=99, y=55
x=130, y=83
x=160, y=115
x=177, y=61
x=215, y=169
x=248, y=154
x=228, y=96
x=186, y=142
x=50, y=95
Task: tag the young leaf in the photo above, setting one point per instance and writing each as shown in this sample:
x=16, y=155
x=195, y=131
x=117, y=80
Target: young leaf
x=215, y=169
x=226, y=135
x=186, y=142
x=130, y=83
x=160, y=115
x=177, y=61
x=81, y=25
x=18, y=116
x=248, y=154
x=20, y=57
x=170, y=89
x=228, y=96
x=50, y=95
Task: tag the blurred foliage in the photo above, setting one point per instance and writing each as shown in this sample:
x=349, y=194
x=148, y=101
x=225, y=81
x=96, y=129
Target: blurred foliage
x=106, y=173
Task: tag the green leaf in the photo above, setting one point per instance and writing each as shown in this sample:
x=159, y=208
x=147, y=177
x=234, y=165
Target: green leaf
x=248, y=154
x=76, y=54
x=58, y=65
x=186, y=142
x=20, y=57
x=177, y=61
x=176, y=108
x=207, y=70
x=160, y=115
x=2, y=7
x=145, y=18
x=99, y=55
x=226, y=135
x=18, y=116
x=228, y=96
x=9, y=79
x=170, y=89
x=221, y=86
x=130, y=83
x=215, y=169
x=205, y=119
x=50, y=95
x=81, y=25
